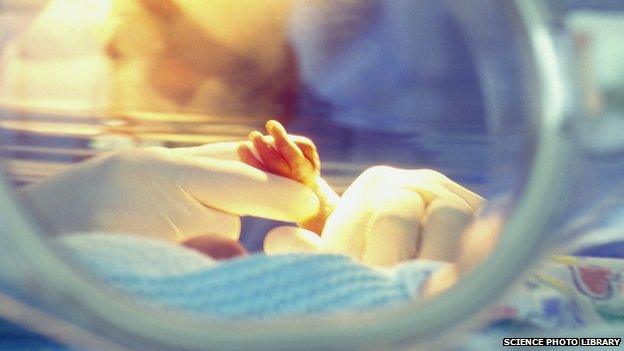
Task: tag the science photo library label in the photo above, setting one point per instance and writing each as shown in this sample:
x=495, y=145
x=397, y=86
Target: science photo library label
x=562, y=341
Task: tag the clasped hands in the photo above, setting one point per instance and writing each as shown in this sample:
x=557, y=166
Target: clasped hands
x=386, y=216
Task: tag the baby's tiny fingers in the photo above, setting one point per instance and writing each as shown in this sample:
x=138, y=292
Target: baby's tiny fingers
x=309, y=151
x=269, y=155
x=284, y=145
x=246, y=155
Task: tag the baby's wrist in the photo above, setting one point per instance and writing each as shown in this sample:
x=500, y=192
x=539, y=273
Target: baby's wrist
x=328, y=201
x=326, y=194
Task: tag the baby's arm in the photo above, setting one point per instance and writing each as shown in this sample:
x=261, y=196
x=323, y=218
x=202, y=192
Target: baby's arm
x=291, y=157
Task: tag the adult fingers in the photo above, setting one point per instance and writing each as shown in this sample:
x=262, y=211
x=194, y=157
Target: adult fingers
x=222, y=151
x=198, y=219
x=444, y=222
x=282, y=240
x=394, y=230
x=473, y=200
x=345, y=229
x=428, y=183
x=237, y=188
x=433, y=184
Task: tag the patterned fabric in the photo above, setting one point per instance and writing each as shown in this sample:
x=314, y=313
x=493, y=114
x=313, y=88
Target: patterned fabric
x=567, y=296
x=567, y=292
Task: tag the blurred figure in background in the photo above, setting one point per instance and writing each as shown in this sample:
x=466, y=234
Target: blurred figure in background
x=392, y=73
x=371, y=81
x=209, y=56
x=206, y=57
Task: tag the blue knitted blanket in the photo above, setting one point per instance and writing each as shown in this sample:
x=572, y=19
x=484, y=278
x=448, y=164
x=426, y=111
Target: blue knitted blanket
x=173, y=277
x=260, y=287
x=255, y=286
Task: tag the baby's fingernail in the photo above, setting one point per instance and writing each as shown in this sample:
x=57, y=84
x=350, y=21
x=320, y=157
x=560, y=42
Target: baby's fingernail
x=255, y=134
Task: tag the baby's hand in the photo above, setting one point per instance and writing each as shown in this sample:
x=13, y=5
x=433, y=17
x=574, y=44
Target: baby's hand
x=292, y=157
x=289, y=156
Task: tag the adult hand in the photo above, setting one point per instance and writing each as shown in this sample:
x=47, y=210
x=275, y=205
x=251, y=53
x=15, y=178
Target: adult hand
x=172, y=194
x=390, y=215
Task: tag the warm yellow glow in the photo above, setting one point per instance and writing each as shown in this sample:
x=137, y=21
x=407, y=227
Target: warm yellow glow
x=56, y=62
x=198, y=55
x=111, y=56
x=74, y=129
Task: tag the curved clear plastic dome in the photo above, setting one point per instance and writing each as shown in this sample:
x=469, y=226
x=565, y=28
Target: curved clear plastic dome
x=501, y=97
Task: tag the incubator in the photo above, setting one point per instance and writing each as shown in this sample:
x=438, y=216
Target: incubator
x=522, y=102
